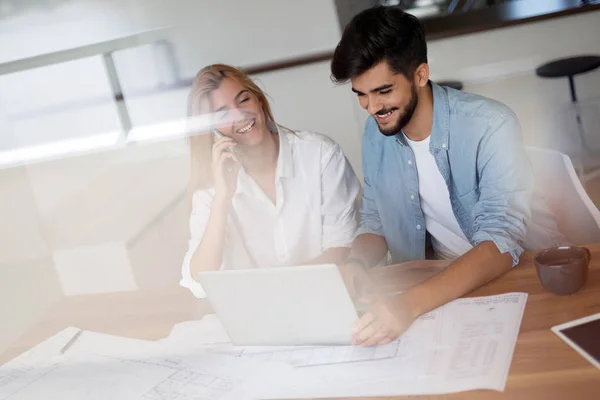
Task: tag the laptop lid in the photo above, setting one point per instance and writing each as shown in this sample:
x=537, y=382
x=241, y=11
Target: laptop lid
x=302, y=305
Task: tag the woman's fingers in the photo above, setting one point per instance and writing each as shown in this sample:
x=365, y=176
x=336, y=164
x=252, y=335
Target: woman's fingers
x=227, y=162
x=221, y=146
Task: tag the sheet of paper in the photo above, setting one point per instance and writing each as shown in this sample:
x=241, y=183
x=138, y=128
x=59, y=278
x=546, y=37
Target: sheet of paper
x=206, y=331
x=48, y=348
x=464, y=345
x=101, y=366
x=34, y=363
x=208, y=334
x=310, y=356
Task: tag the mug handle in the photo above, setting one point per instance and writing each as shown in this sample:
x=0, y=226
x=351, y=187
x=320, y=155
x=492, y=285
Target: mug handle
x=589, y=253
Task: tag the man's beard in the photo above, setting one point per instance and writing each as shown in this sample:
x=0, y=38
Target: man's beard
x=406, y=116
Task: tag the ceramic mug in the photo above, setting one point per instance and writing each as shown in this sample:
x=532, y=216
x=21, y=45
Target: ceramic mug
x=563, y=270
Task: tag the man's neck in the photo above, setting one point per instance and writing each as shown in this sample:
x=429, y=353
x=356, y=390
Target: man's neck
x=419, y=127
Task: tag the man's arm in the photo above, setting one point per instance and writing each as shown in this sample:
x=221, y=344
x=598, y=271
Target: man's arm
x=334, y=255
x=500, y=218
x=368, y=249
x=369, y=246
x=475, y=268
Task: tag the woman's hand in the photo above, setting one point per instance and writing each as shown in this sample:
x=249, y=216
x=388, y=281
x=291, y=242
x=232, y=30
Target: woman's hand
x=225, y=169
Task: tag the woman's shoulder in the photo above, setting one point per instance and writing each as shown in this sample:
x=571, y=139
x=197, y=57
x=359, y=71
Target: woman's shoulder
x=310, y=139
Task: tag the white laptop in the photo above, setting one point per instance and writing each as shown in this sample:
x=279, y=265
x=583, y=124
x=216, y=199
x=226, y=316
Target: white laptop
x=303, y=305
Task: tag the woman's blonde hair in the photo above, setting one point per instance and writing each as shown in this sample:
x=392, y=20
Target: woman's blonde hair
x=207, y=80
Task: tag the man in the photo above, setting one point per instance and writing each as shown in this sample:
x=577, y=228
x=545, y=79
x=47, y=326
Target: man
x=441, y=167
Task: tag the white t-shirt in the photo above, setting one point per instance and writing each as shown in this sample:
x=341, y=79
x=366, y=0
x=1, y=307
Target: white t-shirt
x=315, y=210
x=448, y=240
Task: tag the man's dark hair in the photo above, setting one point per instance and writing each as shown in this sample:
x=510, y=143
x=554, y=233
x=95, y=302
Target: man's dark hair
x=377, y=34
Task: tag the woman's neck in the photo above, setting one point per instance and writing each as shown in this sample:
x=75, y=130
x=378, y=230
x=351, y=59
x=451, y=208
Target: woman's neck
x=263, y=158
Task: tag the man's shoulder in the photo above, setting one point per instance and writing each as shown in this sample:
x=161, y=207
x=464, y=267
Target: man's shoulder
x=470, y=105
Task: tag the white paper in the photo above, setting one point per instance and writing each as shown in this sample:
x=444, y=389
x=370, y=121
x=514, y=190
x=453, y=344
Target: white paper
x=29, y=366
x=310, y=356
x=464, y=345
x=208, y=334
x=101, y=366
x=206, y=331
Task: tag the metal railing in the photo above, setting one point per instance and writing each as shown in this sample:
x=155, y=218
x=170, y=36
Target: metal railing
x=106, y=50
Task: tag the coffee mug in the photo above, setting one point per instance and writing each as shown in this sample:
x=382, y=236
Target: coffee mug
x=563, y=270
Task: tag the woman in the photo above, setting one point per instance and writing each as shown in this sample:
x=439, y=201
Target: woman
x=263, y=196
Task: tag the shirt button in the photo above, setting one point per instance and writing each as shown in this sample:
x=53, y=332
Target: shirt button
x=418, y=227
x=444, y=146
x=409, y=162
x=412, y=196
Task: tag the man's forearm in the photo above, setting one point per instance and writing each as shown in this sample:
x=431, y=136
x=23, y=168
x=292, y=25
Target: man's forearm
x=369, y=249
x=334, y=255
x=470, y=271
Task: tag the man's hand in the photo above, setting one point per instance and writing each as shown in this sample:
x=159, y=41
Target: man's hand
x=384, y=317
x=387, y=318
x=357, y=279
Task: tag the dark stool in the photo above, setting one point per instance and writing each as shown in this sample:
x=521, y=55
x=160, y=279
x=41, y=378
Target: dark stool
x=569, y=68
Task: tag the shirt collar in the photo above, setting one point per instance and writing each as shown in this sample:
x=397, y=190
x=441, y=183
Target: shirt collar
x=440, y=129
x=285, y=162
x=284, y=168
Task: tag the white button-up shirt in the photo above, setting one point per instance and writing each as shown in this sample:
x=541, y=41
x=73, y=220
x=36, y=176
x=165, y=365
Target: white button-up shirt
x=316, y=189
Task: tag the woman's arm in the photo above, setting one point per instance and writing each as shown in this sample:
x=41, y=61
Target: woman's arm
x=209, y=253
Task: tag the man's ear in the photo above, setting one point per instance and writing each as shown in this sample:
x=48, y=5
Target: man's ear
x=421, y=76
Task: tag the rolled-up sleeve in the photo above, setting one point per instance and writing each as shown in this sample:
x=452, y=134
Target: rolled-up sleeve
x=201, y=202
x=503, y=209
x=340, y=188
x=369, y=214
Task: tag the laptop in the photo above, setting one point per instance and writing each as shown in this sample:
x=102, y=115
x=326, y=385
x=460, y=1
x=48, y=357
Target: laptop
x=283, y=306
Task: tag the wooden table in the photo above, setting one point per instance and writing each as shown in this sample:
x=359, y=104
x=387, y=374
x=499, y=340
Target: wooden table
x=543, y=366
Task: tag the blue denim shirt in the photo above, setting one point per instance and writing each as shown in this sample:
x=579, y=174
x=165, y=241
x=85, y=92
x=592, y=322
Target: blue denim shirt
x=477, y=146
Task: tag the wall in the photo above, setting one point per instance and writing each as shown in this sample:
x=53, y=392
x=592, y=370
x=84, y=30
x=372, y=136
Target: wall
x=115, y=221
x=203, y=32
x=501, y=64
